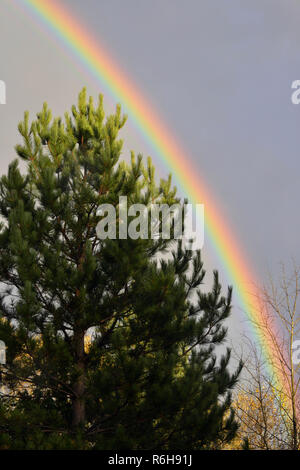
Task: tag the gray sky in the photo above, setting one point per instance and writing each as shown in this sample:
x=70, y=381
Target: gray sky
x=219, y=72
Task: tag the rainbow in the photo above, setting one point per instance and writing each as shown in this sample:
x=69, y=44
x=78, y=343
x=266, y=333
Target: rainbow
x=77, y=40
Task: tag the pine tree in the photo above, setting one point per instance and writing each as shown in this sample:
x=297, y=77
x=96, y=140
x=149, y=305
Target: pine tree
x=110, y=343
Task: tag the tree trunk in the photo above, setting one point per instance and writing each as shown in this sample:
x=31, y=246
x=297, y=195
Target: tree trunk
x=79, y=386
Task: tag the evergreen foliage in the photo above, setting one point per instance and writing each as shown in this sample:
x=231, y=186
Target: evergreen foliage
x=110, y=343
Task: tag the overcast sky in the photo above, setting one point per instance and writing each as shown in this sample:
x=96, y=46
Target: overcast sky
x=219, y=72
